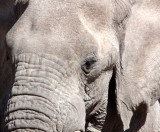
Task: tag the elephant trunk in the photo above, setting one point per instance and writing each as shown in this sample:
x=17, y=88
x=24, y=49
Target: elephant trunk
x=41, y=98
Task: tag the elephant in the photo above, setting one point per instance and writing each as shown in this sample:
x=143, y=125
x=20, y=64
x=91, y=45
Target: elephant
x=62, y=56
x=138, y=68
x=69, y=68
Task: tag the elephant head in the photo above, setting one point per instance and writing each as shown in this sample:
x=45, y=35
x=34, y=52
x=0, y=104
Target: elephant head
x=138, y=78
x=63, y=54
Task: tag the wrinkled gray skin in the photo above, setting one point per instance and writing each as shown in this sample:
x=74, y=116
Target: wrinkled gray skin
x=138, y=78
x=63, y=54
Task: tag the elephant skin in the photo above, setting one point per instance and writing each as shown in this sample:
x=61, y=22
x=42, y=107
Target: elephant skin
x=61, y=56
x=137, y=74
x=63, y=53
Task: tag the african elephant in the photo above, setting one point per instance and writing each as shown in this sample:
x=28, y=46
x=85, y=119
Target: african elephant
x=63, y=53
x=138, y=70
x=62, y=91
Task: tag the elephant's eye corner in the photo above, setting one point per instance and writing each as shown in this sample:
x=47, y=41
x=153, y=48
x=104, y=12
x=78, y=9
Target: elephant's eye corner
x=88, y=65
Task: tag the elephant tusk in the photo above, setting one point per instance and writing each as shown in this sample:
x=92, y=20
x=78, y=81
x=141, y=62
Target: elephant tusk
x=91, y=128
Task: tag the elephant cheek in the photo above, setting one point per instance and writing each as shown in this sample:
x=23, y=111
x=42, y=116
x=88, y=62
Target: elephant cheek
x=42, y=103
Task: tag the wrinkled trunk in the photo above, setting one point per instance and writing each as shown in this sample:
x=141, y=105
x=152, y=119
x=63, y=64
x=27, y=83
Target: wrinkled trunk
x=42, y=99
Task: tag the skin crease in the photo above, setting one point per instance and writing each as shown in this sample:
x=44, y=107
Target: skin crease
x=63, y=58
x=138, y=71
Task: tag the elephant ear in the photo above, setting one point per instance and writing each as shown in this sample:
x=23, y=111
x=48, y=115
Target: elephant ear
x=138, y=71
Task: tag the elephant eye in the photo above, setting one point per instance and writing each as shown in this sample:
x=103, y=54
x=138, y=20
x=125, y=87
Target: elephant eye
x=88, y=65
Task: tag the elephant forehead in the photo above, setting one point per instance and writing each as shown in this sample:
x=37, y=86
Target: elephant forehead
x=67, y=19
x=50, y=25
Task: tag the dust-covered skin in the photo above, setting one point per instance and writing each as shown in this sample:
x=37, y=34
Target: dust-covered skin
x=63, y=54
x=138, y=78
